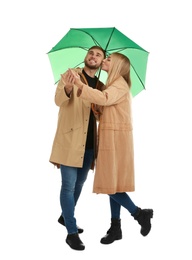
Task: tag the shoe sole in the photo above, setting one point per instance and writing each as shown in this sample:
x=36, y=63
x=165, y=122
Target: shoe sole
x=79, y=249
x=117, y=238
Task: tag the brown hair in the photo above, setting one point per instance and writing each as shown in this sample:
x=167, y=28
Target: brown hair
x=99, y=48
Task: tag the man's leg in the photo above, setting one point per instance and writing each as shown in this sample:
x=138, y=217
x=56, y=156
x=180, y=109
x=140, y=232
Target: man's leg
x=82, y=173
x=67, y=201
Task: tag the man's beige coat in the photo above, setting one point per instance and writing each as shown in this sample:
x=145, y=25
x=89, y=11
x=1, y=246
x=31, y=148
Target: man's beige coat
x=115, y=160
x=70, y=138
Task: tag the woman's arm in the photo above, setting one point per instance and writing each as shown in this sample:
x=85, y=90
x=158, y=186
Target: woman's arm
x=110, y=96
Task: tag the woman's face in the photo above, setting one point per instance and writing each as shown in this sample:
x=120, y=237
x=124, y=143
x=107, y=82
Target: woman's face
x=106, y=64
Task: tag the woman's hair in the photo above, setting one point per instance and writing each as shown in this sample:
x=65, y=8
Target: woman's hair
x=119, y=66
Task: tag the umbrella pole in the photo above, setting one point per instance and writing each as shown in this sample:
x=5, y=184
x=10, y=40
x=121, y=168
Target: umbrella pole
x=98, y=78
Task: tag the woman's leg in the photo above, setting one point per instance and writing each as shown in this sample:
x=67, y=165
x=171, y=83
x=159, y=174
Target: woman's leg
x=114, y=232
x=115, y=208
x=143, y=216
x=124, y=200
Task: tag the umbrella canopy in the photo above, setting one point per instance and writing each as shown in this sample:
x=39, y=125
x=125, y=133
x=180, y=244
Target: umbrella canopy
x=71, y=50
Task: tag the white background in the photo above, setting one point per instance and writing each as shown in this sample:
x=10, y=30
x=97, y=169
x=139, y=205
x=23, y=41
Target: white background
x=30, y=185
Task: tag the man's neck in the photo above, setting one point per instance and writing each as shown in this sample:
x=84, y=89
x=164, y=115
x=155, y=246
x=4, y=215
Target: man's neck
x=90, y=72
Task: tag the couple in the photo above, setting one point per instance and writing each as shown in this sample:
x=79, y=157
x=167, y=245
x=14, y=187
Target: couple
x=74, y=149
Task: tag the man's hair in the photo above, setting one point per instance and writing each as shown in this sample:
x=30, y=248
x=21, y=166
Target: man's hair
x=99, y=48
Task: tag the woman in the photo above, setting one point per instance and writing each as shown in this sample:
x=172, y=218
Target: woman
x=115, y=161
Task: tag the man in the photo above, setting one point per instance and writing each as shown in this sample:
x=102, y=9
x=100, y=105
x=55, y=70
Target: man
x=74, y=145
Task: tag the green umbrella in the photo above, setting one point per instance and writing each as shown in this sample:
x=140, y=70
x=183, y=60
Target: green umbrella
x=70, y=52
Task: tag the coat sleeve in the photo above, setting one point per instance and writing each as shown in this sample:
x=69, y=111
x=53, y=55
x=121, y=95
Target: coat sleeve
x=60, y=95
x=110, y=96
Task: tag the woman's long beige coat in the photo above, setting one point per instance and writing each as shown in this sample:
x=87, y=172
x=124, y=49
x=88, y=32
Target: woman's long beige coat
x=115, y=160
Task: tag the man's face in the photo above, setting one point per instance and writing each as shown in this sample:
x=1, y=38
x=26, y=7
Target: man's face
x=94, y=58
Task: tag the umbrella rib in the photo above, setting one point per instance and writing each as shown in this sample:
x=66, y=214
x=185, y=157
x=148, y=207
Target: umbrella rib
x=124, y=48
x=109, y=39
x=96, y=42
x=138, y=77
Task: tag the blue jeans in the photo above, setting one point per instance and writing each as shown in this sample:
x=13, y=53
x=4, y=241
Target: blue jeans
x=73, y=179
x=121, y=199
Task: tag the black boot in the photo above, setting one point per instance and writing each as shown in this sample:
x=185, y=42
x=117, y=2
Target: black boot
x=62, y=222
x=114, y=233
x=75, y=242
x=143, y=216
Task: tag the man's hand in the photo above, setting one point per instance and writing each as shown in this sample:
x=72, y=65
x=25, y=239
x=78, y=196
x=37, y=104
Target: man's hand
x=75, y=78
x=68, y=83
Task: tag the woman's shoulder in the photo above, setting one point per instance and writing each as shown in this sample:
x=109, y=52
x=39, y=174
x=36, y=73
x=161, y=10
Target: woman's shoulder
x=120, y=83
